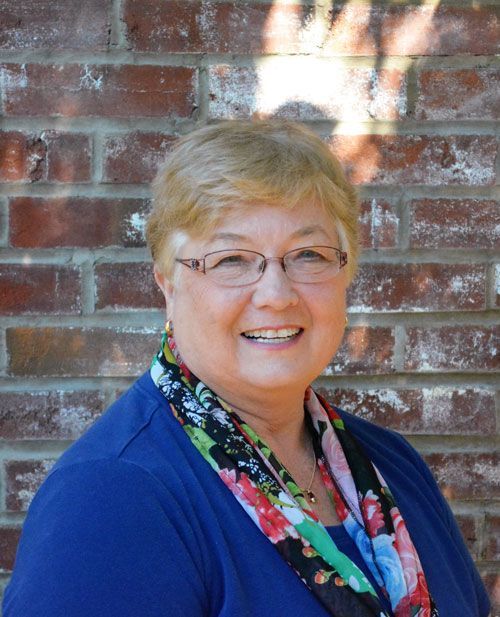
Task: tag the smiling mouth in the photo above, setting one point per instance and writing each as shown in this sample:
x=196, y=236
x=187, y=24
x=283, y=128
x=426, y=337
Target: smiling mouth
x=281, y=335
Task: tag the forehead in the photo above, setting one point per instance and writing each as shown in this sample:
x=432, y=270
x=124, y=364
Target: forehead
x=254, y=223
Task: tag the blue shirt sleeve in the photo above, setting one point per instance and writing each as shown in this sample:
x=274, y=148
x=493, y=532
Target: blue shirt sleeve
x=105, y=538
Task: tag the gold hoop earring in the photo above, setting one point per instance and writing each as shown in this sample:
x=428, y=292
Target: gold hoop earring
x=169, y=328
x=346, y=322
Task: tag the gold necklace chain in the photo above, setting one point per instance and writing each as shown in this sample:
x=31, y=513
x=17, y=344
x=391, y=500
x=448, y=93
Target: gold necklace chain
x=309, y=495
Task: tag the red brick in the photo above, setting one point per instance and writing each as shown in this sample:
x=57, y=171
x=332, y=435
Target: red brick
x=492, y=583
x=23, y=157
x=80, y=352
x=417, y=159
x=378, y=224
x=76, y=222
x=280, y=27
x=468, y=527
x=30, y=288
x=99, y=90
x=481, y=480
x=45, y=156
x=68, y=157
x=48, y=415
x=454, y=223
x=364, y=349
x=418, y=287
x=134, y=158
x=354, y=94
x=55, y=25
x=121, y=286
x=384, y=30
x=467, y=94
x=452, y=348
x=492, y=535
x=497, y=284
x=163, y=26
x=220, y=27
x=23, y=478
x=9, y=539
x=427, y=411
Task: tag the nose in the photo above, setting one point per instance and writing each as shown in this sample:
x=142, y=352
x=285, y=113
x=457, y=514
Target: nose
x=274, y=289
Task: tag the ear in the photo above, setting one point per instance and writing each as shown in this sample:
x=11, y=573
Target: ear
x=164, y=284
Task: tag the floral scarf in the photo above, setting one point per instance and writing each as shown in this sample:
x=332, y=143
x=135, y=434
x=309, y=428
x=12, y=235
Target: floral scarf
x=269, y=495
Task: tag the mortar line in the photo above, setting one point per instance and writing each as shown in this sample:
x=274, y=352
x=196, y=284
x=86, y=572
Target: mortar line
x=399, y=347
x=121, y=55
x=4, y=222
x=4, y=357
x=116, y=25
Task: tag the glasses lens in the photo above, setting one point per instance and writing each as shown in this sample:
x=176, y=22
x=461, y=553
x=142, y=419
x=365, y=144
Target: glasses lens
x=312, y=264
x=233, y=267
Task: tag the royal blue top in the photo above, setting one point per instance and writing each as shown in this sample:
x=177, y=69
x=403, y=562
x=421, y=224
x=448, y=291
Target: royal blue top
x=132, y=521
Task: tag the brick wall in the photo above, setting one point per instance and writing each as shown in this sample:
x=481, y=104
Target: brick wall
x=94, y=93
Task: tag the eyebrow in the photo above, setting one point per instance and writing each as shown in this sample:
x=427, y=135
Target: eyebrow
x=303, y=231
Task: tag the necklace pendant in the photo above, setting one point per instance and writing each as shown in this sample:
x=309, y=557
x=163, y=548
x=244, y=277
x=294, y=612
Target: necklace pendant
x=311, y=496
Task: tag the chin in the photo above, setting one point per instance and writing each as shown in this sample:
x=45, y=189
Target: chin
x=272, y=378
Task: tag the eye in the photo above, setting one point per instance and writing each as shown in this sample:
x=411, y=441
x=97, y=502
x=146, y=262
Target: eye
x=309, y=255
x=228, y=259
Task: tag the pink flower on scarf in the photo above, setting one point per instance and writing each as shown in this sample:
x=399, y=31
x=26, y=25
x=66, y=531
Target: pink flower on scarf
x=372, y=513
x=421, y=595
x=334, y=454
x=407, y=554
x=271, y=520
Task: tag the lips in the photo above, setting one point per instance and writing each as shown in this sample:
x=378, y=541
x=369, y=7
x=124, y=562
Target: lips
x=279, y=335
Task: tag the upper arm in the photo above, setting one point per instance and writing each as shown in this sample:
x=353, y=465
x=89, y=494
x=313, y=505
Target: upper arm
x=104, y=538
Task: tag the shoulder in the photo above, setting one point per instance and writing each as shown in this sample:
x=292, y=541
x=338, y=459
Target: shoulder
x=132, y=452
x=99, y=533
x=123, y=422
x=115, y=515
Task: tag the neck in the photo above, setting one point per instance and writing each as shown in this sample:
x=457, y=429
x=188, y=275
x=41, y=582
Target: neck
x=279, y=423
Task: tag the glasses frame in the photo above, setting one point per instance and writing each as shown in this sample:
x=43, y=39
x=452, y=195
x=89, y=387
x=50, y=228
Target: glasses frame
x=196, y=264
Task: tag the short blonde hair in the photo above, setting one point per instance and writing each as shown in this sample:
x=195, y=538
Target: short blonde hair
x=239, y=163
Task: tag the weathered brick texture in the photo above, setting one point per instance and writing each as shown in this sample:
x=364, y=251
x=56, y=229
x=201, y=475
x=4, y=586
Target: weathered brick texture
x=42, y=289
x=365, y=347
x=98, y=90
x=76, y=222
x=48, y=414
x=23, y=478
x=454, y=223
x=47, y=156
x=79, y=352
x=9, y=537
x=378, y=94
x=453, y=348
x=126, y=286
x=418, y=159
x=418, y=287
x=458, y=95
x=93, y=96
x=134, y=158
x=55, y=25
x=424, y=411
x=480, y=482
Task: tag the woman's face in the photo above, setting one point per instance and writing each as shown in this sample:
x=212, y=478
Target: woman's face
x=210, y=321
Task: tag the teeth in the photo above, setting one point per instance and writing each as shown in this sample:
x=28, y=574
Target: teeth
x=272, y=334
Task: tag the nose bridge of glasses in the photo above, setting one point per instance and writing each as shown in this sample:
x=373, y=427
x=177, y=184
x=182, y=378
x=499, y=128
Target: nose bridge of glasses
x=280, y=259
x=265, y=260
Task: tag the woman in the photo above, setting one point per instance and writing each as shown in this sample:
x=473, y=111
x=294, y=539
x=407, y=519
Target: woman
x=220, y=483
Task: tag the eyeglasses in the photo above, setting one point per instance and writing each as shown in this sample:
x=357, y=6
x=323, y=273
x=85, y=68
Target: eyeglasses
x=238, y=267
